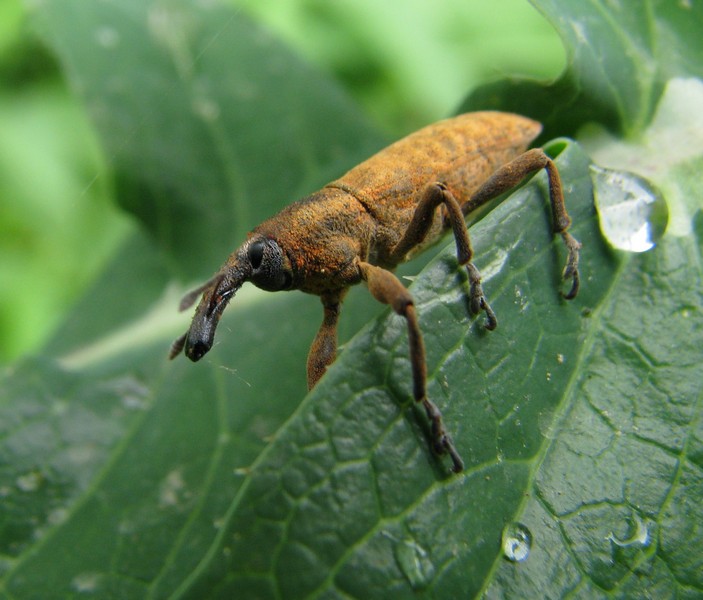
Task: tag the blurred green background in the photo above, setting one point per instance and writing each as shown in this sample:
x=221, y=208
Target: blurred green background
x=58, y=221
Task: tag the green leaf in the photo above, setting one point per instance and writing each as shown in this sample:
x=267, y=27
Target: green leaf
x=620, y=58
x=124, y=475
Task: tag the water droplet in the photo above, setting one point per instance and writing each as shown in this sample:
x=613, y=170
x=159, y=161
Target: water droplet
x=516, y=542
x=633, y=213
x=414, y=562
x=638, y=534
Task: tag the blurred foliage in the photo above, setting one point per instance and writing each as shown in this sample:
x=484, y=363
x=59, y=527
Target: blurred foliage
x=412, y=63
x=57, y=226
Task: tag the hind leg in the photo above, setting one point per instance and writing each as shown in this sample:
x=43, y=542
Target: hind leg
x=509, y=176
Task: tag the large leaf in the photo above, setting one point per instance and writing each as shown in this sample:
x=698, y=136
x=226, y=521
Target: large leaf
x=552, y=410
x=125, y=476
x=358, y=504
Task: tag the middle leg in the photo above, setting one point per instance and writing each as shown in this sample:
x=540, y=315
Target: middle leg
x=434, y=195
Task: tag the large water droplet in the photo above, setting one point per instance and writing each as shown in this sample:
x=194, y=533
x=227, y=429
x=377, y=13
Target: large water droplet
x=633, y=213
x=414, y=562
x=516, y=542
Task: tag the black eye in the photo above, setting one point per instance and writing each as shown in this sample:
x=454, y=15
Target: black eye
x=256, y=254
x=268, y=271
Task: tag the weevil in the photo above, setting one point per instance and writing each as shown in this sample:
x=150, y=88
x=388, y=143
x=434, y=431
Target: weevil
x=379, y=214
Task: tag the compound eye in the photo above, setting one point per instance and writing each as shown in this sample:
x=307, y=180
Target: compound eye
x=256, y=254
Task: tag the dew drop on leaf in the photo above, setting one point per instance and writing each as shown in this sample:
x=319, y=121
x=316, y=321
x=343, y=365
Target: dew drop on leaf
x=414, y=562
x=632, y=212
x=516, y=542
x=638, y=534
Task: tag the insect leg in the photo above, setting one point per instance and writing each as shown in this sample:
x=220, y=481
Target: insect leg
x=434, y=195
x=509, y=176
x=386, y=288
x=323, y=350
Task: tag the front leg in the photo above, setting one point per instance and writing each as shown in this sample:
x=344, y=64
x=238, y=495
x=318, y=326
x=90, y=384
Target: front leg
x=323, y=350
x=386, y=288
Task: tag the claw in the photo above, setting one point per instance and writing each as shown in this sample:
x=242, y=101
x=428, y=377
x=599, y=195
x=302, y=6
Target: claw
x=571, y=270
x=448, y=446
x=575, y=283
x=441, y=441
x=491, y=319
x=443, y=444
x=478, y=298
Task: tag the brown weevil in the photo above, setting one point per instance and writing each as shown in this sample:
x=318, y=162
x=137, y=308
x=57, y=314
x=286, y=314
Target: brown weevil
x=376, y=216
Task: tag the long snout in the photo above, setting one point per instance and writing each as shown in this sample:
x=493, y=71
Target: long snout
x=217, y=293
x=197, y=341
x=200, y=337
x=201, y=334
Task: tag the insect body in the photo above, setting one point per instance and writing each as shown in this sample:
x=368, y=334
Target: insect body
x=361, y=226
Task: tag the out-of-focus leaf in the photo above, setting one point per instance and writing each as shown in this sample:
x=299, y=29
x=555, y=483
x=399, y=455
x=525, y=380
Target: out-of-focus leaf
x=188, y=103
x=453, y=49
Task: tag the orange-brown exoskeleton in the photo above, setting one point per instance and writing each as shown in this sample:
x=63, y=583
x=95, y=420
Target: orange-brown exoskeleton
x=361, y=226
